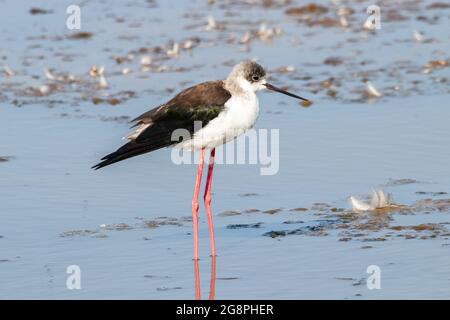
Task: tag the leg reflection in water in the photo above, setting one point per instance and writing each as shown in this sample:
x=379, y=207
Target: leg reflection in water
x=212, y=283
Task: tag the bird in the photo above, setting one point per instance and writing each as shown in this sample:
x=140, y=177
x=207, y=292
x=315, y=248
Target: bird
x=225, y=108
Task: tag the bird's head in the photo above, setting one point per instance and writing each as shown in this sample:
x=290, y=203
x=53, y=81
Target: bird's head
x=249, y=76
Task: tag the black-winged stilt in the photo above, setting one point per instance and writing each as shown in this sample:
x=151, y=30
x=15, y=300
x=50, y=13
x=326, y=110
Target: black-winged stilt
x=226, y=109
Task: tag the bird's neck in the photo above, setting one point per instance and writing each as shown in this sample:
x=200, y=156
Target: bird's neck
x=238, y=89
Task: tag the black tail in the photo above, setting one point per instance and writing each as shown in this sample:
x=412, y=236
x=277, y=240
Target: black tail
x=155, y=137
x=131, y=149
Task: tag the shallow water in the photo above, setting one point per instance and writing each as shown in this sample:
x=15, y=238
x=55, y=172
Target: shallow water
x=57, y=212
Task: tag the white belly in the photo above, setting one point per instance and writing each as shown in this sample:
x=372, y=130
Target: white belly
x=239, y=115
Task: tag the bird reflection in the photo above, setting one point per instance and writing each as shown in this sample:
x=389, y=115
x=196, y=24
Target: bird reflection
x=212, y=282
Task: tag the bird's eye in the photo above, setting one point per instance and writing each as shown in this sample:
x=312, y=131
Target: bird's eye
x=255, y=78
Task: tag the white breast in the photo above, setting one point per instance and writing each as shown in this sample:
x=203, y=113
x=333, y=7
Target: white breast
x=239, y=115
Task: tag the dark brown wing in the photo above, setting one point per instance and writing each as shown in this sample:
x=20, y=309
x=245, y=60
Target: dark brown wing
x=204, y=95
x=202, y=102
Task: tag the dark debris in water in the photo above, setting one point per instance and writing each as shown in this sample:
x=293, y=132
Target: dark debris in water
x=360, y=225
x=299, y=209
x=345, y=278
x=118, y=227
x=163, y=221
x=229, y=213
x=371, y=226
x=275, y=234
x=401, y=77
x=114, y=99
x=442, y=205
x=316, y=230
x=359, y=282
x=168, y=289
x=5, y=158
x=111, y=101
x=333, y=61
x=118, y=119
x=374, y=239
x=252, y=210
x=102, y=231
x=433, y=194
x=321, y=207
x=272, y=211
x=244, y=226
x=81, y=35
x=308, y=9
x=293, y=222
x=82, y=233
x=438, y=6
x=400, y=182
x=151, y=276
x=36, y=11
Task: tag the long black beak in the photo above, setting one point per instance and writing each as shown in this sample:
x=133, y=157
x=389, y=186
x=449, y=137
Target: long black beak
x=273, y=88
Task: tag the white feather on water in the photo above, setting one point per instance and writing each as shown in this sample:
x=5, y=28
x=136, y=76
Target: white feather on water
x=358, y=205
x=379, y=199
x=417, y=36
x=146, y=60
x=102, y=84
x=49, y=75
x=8, y=71
x=174, y=51
x=44, y=90
x=211, y=24
x=372, y=91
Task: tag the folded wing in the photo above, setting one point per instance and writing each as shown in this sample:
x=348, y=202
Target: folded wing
x=154, y=128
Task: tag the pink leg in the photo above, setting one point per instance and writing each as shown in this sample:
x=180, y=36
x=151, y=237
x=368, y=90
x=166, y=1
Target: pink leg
x=195, y=202
x=197, y=280
x=207, y=198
